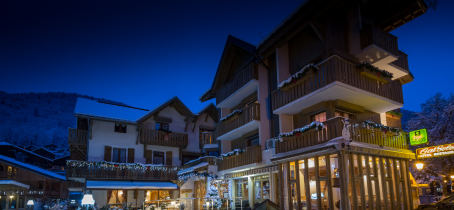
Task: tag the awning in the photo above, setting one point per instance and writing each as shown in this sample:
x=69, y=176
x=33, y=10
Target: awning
x=130, y=185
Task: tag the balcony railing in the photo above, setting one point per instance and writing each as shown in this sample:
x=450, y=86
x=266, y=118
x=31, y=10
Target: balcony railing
x=358, y=132
x=251, y=155
x=77, y=136
x=332, y=70
x=156, y=137
x=206, y=138
x=402, y=61
x=238, y=81
x=249, y=114
x=209, y=160
x=91, y=170
x=7, y=175
x=372, y=35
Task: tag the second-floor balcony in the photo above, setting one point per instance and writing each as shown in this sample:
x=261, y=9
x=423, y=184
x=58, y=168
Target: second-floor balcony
x=241, y=85
x=337, y=78
x=77, y=136
x=94, y=170
x=357, y=131
x=162, y=138
x=251, y=155
x=207, y=140
x=245, y=121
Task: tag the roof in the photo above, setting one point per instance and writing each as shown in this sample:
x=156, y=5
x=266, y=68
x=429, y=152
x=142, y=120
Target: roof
x=211, y=110
x=175, y=102
x=102, y=110
x=129, y=185
x=12, y=182
x=43, y=148
x=191, y=169
x=31, y=168
x=23, y=150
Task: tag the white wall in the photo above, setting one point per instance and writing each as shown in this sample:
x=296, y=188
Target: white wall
x=103, y=134
x=100, y=197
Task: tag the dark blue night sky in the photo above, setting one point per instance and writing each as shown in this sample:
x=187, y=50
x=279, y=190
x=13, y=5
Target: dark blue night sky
x=145, y=52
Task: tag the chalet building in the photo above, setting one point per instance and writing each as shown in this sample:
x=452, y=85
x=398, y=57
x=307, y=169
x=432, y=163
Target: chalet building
x=303, y=115
x=45, y=153
x=123, y=154
x=25, y=156
x=20, y=182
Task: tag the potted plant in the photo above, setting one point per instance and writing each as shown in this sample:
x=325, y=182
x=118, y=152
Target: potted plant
x=373, y=72
x=297, y=78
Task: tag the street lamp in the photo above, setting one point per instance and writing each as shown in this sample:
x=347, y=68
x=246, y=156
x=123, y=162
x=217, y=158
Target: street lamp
x=30, y=203
x=419, y=165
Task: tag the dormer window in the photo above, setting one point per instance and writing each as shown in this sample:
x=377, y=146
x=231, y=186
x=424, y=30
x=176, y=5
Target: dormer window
x=120, y=127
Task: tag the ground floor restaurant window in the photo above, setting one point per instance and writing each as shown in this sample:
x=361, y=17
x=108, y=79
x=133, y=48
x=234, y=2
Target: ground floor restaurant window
x=261, y=188
x=370, y=182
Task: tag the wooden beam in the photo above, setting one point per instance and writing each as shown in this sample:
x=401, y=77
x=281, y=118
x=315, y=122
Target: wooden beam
x=319, y=34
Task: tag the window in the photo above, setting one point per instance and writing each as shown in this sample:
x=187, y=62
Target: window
x=120, y=127
x=158, y=157
x=321, y=117
x=119, y=155
x=162, y=126
x=254, y=140
x=343, y=114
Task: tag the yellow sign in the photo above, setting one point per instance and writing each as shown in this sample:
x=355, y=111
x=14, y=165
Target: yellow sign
x=186, y=191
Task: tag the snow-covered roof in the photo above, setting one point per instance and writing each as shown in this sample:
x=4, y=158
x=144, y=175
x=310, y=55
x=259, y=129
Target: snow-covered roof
x=96, y=109
x=23, y=150
x=129, y=185
x=6, y=182
x=32, y=168
x=191, y=169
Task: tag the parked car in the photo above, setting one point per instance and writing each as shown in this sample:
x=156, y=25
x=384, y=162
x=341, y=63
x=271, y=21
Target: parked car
x=444, y=204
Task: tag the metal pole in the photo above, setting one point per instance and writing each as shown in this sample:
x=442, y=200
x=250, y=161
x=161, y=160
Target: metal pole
x=241, y=200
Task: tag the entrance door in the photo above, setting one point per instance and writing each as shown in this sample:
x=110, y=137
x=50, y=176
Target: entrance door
x=199, y=192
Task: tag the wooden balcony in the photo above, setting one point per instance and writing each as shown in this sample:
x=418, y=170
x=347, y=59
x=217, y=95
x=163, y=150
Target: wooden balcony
x=251, y=155
x=246, y=121
x=94, y=171
x=206, y=138
x=358, y=132
x=156, y=137
x=237, y=82
x=373, y=35
x=335, y=77
x=209, y=160
x=402, y=61
x=76, y=136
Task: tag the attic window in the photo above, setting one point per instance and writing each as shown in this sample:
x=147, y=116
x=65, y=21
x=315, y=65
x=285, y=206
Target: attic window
x=120, y=127
x=162, y=126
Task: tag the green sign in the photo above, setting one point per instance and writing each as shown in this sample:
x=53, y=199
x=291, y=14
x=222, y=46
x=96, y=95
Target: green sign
x=418, y=137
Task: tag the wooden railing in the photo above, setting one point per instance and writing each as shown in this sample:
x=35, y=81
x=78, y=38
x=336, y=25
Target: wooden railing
x=7, y=175
x=358, y=132
x=250, y=113
x=77, y=135
x=336, y=69
x=252, y=154
x=209, y=160
x=372, y=35
x=75, y=184
x=91, y=170
x=206, y=138
x=156, y=137
x=238, y=81
x=402, y=61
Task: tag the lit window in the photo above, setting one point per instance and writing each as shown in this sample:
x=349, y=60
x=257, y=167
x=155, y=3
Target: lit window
x=321, y=117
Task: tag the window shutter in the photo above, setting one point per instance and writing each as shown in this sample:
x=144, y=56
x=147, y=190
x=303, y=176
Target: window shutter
x=169, y=158
x=148, y=157
x=130, y=155
x=107, y=153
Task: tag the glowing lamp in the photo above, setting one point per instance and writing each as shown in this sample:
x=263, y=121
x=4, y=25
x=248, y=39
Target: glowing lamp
x=419, y=166
x=88, y=200
x=452, y=176
x=11, y=196
x=30, y=202
x=208, y=204
x=172, y=203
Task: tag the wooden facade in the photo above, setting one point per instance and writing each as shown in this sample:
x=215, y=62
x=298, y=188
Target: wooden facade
x=373, y=35
x=207, y=138
x=77, y=141
x=331, y=70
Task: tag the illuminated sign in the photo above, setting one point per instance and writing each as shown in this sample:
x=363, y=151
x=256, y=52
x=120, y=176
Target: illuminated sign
x=418, y=137
x=435, y=151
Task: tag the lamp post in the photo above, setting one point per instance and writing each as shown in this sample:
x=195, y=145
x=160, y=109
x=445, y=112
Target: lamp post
x=88, y=200
x=30, y=203
x=419, y=165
